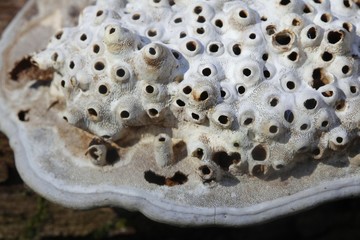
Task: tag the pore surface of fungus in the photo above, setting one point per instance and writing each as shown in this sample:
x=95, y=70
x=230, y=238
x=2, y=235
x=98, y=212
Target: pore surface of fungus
x=193, y=112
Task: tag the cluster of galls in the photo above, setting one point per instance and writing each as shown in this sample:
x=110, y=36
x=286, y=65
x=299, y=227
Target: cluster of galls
x=246, y=90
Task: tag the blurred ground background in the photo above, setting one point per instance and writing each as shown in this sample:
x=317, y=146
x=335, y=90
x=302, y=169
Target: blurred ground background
x=25, y=215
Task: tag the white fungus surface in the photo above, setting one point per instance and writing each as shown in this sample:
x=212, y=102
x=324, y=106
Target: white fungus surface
x=249, y=87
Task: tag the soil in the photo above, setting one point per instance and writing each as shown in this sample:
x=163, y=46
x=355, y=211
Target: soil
x=26, y=215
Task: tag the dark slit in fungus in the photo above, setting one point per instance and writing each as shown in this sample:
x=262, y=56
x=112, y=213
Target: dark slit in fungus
x=178, y=178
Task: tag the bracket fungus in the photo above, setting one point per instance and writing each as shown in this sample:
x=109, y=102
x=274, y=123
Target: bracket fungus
x=192, y=112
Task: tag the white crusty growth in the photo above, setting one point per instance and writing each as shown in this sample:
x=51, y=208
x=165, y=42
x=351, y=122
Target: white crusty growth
x=248, y=86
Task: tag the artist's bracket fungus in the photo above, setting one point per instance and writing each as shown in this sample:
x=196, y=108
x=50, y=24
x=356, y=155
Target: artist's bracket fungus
x=193, y=112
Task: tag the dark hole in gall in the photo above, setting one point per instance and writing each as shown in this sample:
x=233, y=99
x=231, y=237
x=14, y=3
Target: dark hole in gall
x=55, y=56
x=306, y=9
x=59, y=35
x=340, y=105
x=247, y=72
x=310, y=103
x=266, y=73
x=72, y=65
x=316, y=151
x=293, y=56
x=96, y=48
x=176, y=54
x=191, y=46
x=83, y=37
x=204, y=95
x=311, y=33
x=241, y=89
x=346, y=3
x=198, y=153
x=112, y=155
x=103, y=89
x=248, y=121
x=222, y=93
x=23, y=115
x=252, y=36
x=124, y=114
x=187, y=90
x=62, y=83
x=182, y=35
x=195, y=116
x=270, y=30
x=198, y=9
x=258, y=170
x=273, y=129
x=214, y=48
x=243, y=14
x=223, y=119
x=92, y=112
x=296, y=22
x=353, y=89
x=327, y=93
x=136, y=16
x=152, y=33
x=180, y=103
x=259, y=153
x=152, y=51
x=274, y=102
x=153, y=112
x=283, y=38
x=99, y=13
x=112, y=30
x=326, y=56
x=201, y=19
x=319, y=78
x=339, y=140
x=205, y=170
x=347, y=26
x=289, y=116
x=149, y=89
x=177, y=20
x=219, y=23
x=224, y=160
x=200, y=30
x=325, y=17
x=120, y=72
x=345, y=69
x=236, y=49
x=99, y=66
x=206, y=72
x=265, y=56
x=290, y=85
x=303, y=126
x=334, y=37
x=324, y=124
x=284, y=2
